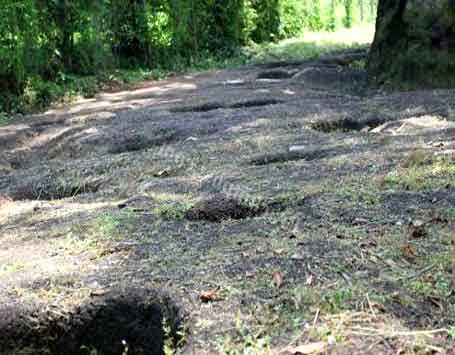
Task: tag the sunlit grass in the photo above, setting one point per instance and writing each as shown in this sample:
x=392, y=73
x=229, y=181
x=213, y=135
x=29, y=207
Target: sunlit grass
x=314, y=44
x=424, y=174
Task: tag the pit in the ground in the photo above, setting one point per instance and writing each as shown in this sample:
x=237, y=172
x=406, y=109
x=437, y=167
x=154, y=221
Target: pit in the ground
x=222, y=207
x=114, y=324
x=347, y=124
x=51, y=188
x=211, y=106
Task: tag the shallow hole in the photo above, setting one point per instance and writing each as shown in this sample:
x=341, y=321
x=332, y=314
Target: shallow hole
x=138, y=143
x=221, y=207
x=283, y=157
x=275, y=74
x=347, y=125
x=256, y=103
x=50, y=189
x=215, y=106
x=112, y=324
x=201, y=108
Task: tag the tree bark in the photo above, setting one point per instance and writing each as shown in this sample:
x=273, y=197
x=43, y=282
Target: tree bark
x=414, y=45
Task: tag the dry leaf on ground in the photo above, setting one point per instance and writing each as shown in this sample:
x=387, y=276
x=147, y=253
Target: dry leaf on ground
x=278, y=279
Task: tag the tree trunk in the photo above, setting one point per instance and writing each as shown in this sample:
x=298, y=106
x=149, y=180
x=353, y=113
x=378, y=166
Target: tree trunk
x=414, y=45
x=64, y=20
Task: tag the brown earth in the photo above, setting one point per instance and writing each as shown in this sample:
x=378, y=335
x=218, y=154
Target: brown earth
x=123, y=209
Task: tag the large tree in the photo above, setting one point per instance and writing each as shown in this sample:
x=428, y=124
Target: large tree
x=414, y=44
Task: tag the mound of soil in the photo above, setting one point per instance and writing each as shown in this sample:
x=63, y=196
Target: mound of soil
x=220, y=208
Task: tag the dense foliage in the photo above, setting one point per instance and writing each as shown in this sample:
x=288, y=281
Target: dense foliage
x=44, y=44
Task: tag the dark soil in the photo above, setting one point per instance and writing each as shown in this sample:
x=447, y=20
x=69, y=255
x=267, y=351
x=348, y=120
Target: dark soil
x=221, y=207
x=111, y=323
x=272, y=212
x=275, y=74
x=211, y=106
x=347, y=124
x=50, y=188
x=292, y=156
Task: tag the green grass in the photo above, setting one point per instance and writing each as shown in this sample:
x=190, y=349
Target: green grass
x=312, y=45
x=174, y=210
x=11, y=268
x=113, y=225
x=420, y=172
x=4, y=120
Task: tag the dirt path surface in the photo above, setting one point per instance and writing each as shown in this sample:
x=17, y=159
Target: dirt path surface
x=237, y=211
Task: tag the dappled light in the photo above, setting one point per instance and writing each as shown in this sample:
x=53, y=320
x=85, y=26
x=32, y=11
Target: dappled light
x=231, y=180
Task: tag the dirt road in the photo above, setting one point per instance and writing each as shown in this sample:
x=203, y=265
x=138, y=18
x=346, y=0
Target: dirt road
x=259, y=208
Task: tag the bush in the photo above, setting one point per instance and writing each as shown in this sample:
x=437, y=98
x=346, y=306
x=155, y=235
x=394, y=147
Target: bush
x=39, y=94
x=292, y=21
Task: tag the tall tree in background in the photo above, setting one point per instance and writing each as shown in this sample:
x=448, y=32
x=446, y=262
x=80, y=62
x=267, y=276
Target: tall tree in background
x=414, y=43
x=332, y=21
x=348, y=16
x=269, y=22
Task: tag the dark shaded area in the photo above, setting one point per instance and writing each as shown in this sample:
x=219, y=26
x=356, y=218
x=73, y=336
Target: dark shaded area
x=275, y=74
x=414, y=44
x=140, y=142
x=215, y=106
x=107, y=324
x=201, y=108
x=292, y=156
x=221, y=207
x=256, y=103
x=347, y=124
x=329, y=77
x=51, y=188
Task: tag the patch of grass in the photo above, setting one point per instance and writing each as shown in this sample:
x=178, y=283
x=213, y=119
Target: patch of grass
x=245, y=339
x=112, y=225
x=420, y=171
x=78, y=241
x=359, y=192
x=358, y=64
x=449, y=239
x=417, y=158
x=451, y=332
x=444, y=261
x=312, y=45
x=337, y=300
x=11, y=268
x=435, y=285
x=4, y=119
x=173, y=210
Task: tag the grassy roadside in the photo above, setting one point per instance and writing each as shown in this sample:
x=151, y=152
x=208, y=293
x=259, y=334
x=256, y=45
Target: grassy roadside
x=40, y=95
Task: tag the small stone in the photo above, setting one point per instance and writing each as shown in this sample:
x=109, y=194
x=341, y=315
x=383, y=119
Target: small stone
x=296, y=148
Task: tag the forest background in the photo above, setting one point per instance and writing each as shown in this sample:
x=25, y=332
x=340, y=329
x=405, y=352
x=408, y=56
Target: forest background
x=56, y=50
